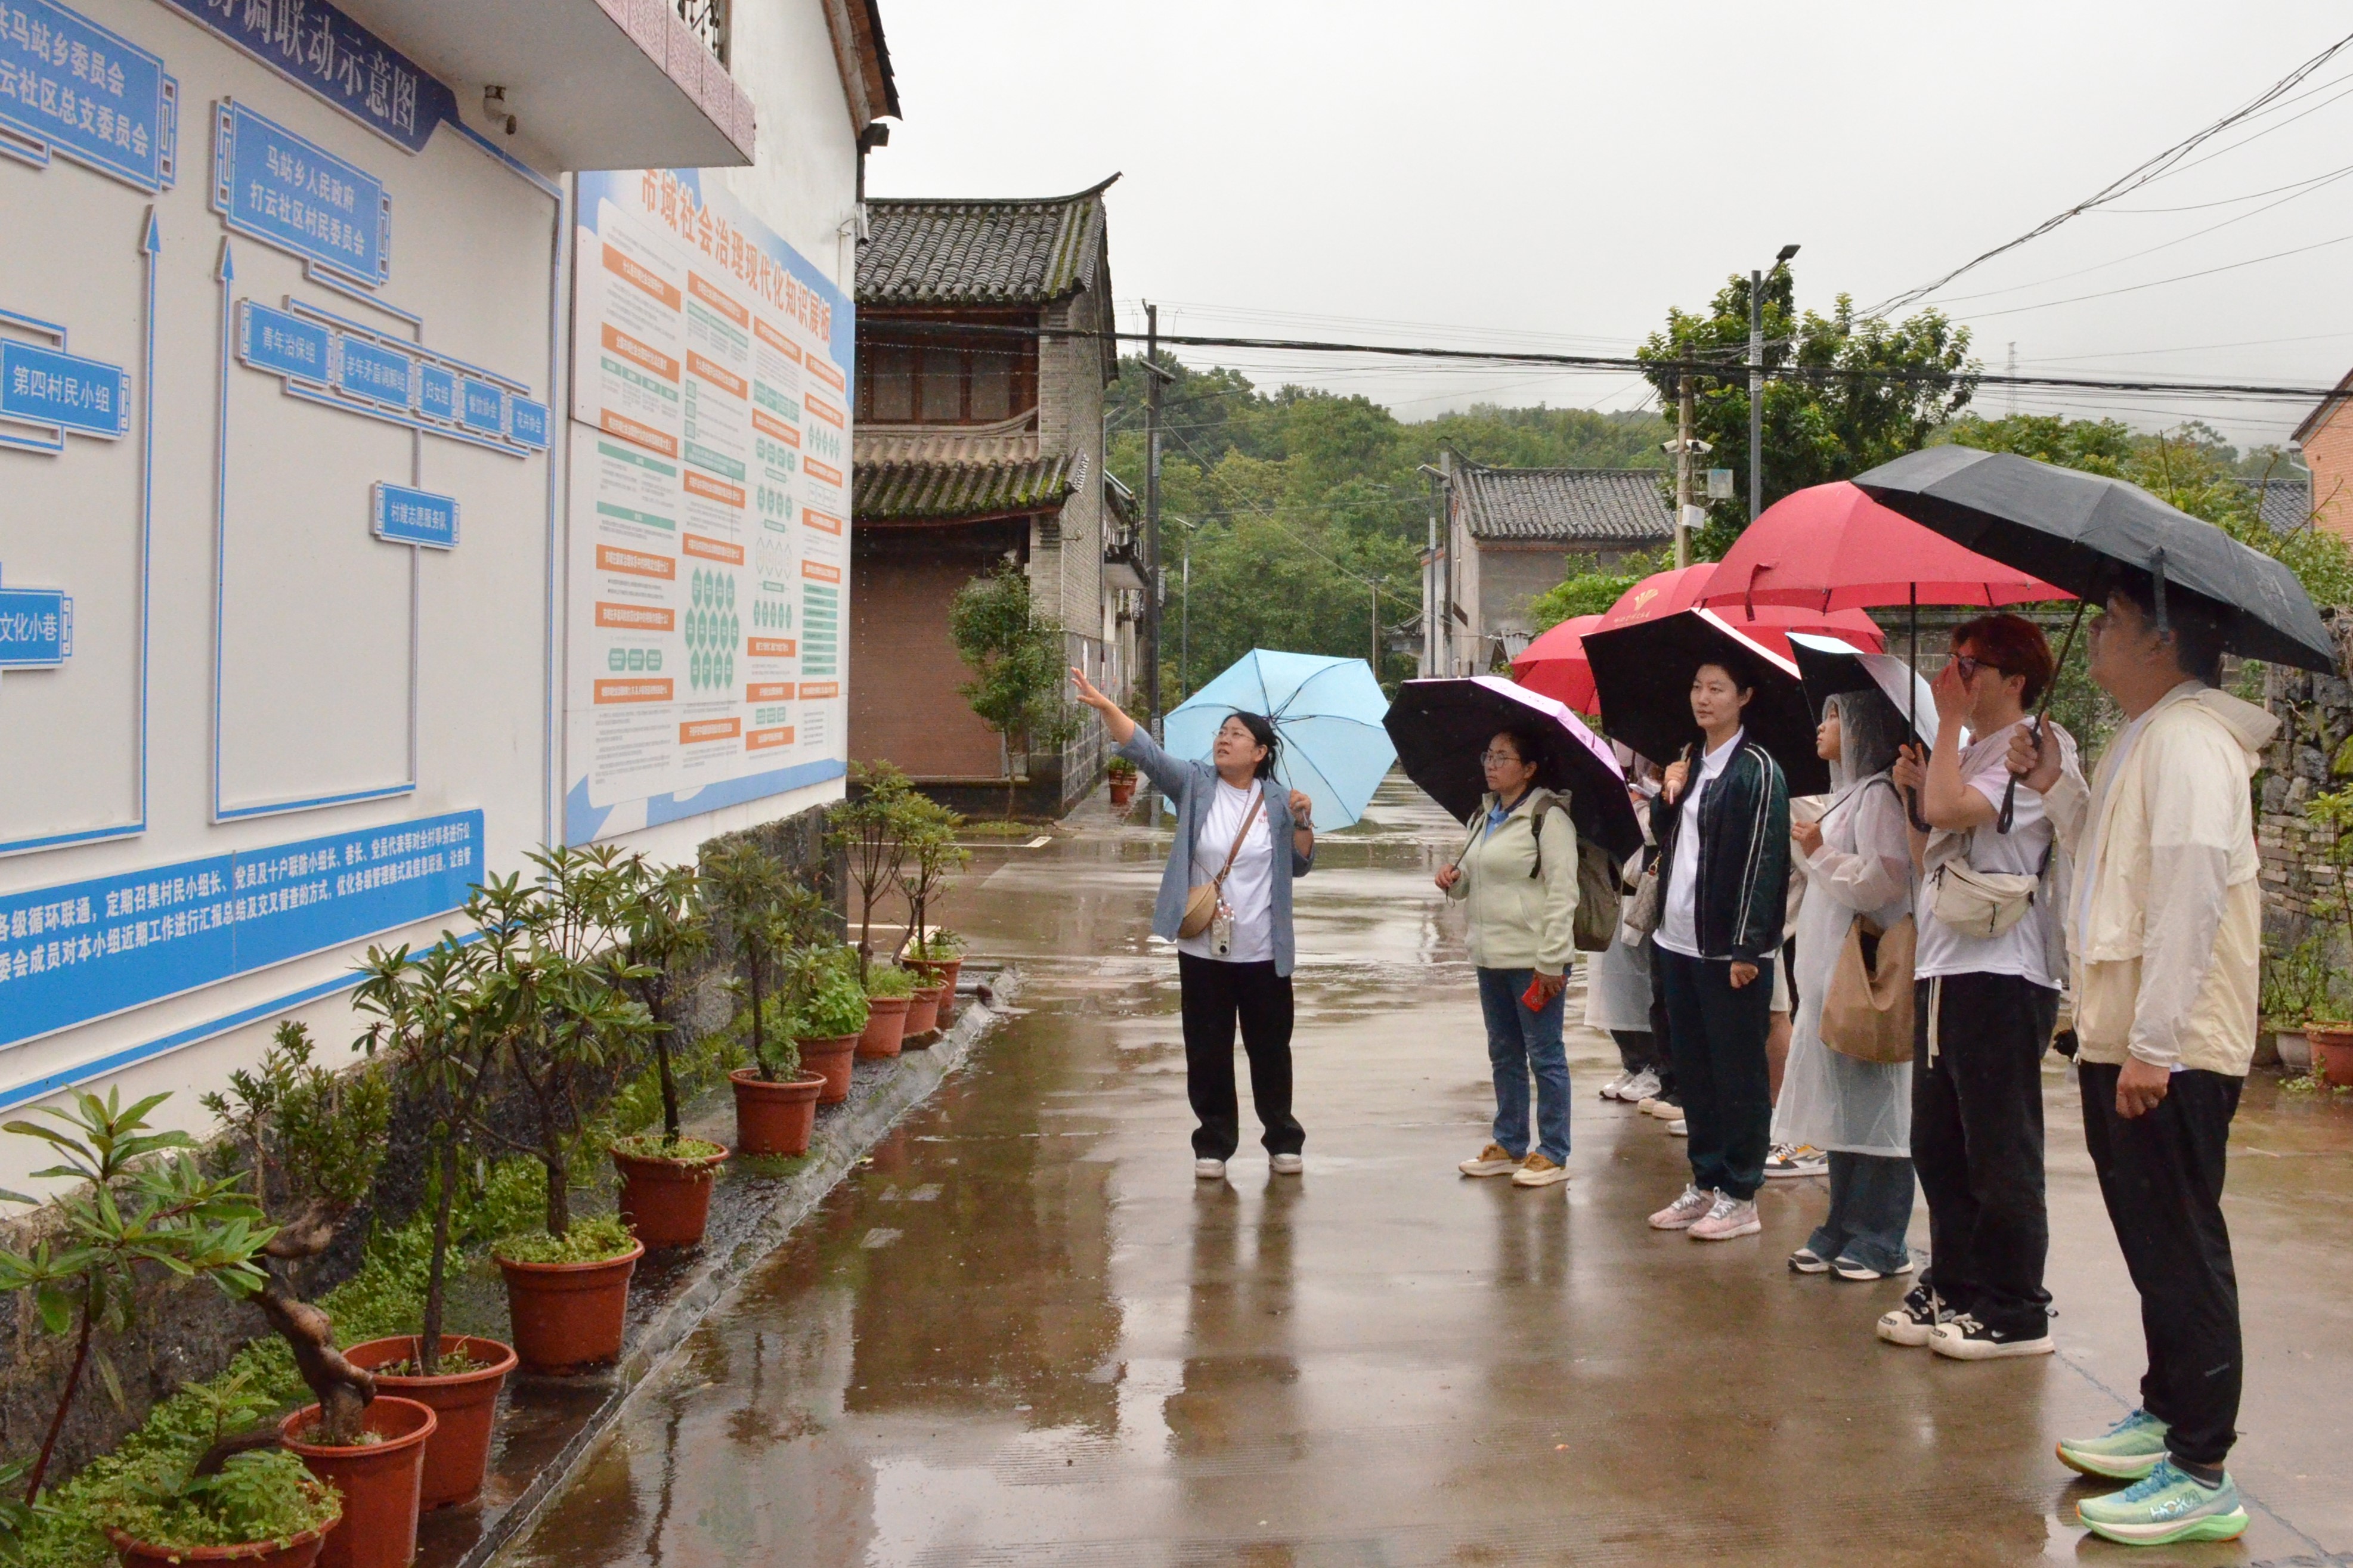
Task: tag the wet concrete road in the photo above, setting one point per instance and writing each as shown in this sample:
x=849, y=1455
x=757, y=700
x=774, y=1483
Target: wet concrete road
x=1026, y=1334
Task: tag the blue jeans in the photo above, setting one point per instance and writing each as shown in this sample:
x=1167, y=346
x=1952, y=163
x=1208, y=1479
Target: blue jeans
x=1519, y=1041
x=1871, y=1208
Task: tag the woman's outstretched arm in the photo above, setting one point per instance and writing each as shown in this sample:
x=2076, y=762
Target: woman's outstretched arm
x=1116, y=722
x=1166, y=773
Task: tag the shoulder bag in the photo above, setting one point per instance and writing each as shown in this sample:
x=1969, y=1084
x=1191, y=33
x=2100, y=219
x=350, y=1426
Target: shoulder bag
x=1201, y=903
x=1867, y=1008
x=1983, y=904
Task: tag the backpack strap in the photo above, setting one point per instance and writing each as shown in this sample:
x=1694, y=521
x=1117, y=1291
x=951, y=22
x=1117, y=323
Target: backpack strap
x=1538, y=809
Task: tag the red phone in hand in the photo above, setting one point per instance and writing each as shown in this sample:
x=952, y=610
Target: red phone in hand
x=1533, y=998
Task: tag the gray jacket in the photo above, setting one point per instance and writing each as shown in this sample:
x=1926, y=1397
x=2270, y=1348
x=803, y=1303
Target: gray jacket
x=1190, y=787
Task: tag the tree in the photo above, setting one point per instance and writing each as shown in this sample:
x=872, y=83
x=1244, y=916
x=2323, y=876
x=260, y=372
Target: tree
x=1821, y=422
x=932, y=855
x=1590, y=589
x=1018, y=664
x=771, y=923
x=664, y=928
x=869, y=829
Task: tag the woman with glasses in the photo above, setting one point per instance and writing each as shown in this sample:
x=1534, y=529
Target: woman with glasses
x=1518, y=877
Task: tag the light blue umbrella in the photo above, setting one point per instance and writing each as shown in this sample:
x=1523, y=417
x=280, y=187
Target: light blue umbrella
x=1327, y=712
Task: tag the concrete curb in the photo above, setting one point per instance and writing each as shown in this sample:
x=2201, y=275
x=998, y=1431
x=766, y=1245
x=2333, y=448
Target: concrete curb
x=756, y=1230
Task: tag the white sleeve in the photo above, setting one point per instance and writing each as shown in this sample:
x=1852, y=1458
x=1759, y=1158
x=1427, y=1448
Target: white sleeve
x=2189, y=789
x=1874, y=873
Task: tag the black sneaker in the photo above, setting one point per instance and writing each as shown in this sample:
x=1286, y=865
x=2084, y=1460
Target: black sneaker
x=1917, y=1321
x=1965, y=1339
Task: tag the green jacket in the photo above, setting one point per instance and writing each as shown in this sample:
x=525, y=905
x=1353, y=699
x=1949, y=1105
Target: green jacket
x=1519, y=919
x=1744, y=856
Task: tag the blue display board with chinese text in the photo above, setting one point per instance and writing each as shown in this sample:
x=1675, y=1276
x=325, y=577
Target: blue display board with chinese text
x=406, y=516
x=69, y=86
x=35, y=628
x=288, y=191
x=326, y=359
x=317, y=48
x=50, y=387
x=80, y=951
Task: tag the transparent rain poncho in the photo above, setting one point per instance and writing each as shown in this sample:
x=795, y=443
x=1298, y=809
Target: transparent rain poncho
x=1864, y=866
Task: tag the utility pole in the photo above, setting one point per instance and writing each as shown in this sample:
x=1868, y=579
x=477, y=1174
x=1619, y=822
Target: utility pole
x=1683, y=399
x=1376, y=631
x=1152, y=516
x=1429, y=570
x=2012, y=369
x=1756, y=395
x=1185, y=619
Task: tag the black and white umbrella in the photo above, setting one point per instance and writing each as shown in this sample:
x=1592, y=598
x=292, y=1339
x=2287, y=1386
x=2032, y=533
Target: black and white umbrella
x=1440, y=726
x=1643, y=674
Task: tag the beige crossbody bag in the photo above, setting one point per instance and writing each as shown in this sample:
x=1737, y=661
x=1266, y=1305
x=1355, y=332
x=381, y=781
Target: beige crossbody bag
x=1201, y=903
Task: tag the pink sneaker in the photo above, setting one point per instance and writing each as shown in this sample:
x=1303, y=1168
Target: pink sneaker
x=1731, y=1216
x=1685, y=1211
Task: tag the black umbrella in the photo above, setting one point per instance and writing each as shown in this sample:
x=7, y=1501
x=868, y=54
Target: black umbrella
x=2085, y=534
x=1643, y=673
x=1439, y=727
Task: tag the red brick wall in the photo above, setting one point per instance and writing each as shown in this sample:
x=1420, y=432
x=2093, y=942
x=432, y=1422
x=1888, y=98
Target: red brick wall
x=2329, y=452
x=904, y=671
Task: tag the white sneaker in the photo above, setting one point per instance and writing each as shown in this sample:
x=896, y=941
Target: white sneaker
x=1494, y=1160
x=1731, y=1216
x=1209, y=1169
x=1609, y=1090
x=1679, y=1128
x=1685, y=1211
x=1664, y=1110
x=1642, y=1086
x=1539, y=1172
x=1784, y=1161
x=1287, y=1164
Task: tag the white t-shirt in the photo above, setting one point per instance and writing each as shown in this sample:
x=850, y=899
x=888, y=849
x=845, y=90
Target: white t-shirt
x=2023, y=950
x=1249, y=886
x=1679, y=920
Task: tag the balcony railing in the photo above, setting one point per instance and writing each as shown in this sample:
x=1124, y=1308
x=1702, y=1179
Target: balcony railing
x=708, y=20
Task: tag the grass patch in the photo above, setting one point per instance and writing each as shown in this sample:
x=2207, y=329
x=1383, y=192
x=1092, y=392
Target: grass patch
x=599, y=1239
x=654, y=1146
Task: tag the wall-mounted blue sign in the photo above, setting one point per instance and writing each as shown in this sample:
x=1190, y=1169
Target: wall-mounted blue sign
x=80, y=951
x=69, y=86
x=327, y=359
x=35, y=628
x=288, y=192
x=404, y=516
x=49, y=386
x=317, y=48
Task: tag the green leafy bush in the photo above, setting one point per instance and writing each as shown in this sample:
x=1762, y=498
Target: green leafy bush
x=261, y=1496
x=834, y=1003
x=943, y=946
x=889, y=979
x=599, y=1239
x=654, y=1146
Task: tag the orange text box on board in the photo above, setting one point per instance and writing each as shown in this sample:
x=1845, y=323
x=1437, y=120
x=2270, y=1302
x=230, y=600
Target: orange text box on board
x=768, y=691
x=823, y=522
x=777, y=341
x=629, y=430
x=642, y=354
x=829, y=412
x=633, y=691
x=630, y=271
x=819, y=572
x=709, y=489
x=762, y=740
x=767, y=423
x=718, y=376
x=696, y=731
x=718, y=299
x=635, y=563
x=770, y=648
x=824, y=372
x=635, y=618
x=819, y=690
x=712, y=549
x=824, y=471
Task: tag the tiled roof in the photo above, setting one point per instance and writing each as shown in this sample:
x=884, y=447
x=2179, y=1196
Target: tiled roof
x=1000, y=252
x=1009, y=441
x=883, y=491
x=2287, y=502
x=1609, y=506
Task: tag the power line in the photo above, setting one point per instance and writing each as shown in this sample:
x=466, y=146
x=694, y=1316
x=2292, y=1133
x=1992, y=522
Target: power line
x=2156, y=282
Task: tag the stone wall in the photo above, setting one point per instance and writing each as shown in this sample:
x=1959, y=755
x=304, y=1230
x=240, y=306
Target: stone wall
x=2315, y=714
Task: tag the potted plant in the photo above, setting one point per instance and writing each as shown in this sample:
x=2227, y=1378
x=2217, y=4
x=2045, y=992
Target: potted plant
x=1122, y=773
x=230, y=1501
x=143, y=1199
x=440, y=1029
x=666, y=1177
x=866, y=829
x=830, y=1016
x=568, y=1027
x=889, y=993
x=766, y=919
x=2332, y=1038
x=933, y=855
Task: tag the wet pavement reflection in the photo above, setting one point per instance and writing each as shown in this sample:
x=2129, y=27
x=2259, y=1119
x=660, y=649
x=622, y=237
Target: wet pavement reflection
x=1024, y=1333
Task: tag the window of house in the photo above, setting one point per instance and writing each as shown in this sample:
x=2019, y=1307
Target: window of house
x=888, y=387
x=978, y=381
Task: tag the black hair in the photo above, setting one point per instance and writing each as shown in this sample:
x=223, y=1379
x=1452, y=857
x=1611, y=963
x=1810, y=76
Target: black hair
x=1735, y=663
x=2196, y=625
x=1525, y=741
x=1261, y=729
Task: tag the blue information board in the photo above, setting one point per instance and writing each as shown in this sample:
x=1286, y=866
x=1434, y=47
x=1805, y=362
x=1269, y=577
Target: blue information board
x=69, y=86
x=527, y=422
x=482, y=407
x=49, y=386
x=80, y=951
x=290, y=191
x=436, y=393
x=406, y=516
x=316, y=46
x=35, y=627
x=280, y=344
x=370, y=370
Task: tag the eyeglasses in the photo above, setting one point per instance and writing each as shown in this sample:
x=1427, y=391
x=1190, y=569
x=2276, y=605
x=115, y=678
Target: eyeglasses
x=1968, y=667
x=1497, y=759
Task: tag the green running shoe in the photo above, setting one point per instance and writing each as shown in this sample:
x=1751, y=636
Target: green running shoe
x=2164, y=1506
x=2129, y=1450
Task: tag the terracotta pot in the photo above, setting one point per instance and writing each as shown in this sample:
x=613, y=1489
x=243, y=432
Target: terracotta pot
x=775, y=1118
x=568, y=1315
x=300, y=1551
x=886, y=1026
x=2332, y=1052
x=465, y=1403
x=944, y=972
x=830, y=1059
x=382, y=1483
x=1122, y=790
x=923, y=1017
x=667, y=1203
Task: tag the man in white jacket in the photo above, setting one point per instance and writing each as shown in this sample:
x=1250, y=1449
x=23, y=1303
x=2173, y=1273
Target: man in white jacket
x=2164, y=929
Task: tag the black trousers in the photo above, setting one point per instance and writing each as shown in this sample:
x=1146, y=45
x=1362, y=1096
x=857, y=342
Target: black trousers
x=1217, y=995
x=1717, y=1037
x=1977, y=1143
x=1662, y=1044
x=2161, y=1174
x=1638, y=1050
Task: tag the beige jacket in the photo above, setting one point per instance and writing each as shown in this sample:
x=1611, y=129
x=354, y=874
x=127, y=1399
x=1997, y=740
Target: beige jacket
x=2165, y=941
x=1517, y=920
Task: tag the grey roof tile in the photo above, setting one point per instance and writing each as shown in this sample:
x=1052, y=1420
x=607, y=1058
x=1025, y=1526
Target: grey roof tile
x=995, y=252
x=1607, y=506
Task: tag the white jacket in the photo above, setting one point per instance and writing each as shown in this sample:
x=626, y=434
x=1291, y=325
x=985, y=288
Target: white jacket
x=2166, y=941
x=1519, y=920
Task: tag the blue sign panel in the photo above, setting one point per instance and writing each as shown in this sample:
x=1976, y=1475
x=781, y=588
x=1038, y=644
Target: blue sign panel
x=483, y=408
x=283, y=344
x=436, y=393
x=69, y=86
x=49, y=386
x=316, y=46
x=295, y=194
x=527, y=422
x=372, y=371
x=404, y=516
x=35, y=627
x=80, y=951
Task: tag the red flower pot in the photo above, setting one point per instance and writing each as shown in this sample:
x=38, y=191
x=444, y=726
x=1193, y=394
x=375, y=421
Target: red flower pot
x=664, y=1202
x=886, y=1026
x=382, y=1482
x=1122, y=790
x=2332, y=1052
x=923, y=1017
x=944, y=971
x=300, y=1551
x=568, y=1315
x=466, y=1404
x=775, y=1118
x=830, y=1059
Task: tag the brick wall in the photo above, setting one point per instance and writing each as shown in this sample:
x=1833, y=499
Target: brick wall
x=904, y=706
x=2328, y=452
x=2315, y=714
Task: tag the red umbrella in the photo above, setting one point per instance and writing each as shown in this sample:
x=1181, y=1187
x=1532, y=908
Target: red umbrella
x=1664, y=594
x=1555, y=665
x=1831, y=547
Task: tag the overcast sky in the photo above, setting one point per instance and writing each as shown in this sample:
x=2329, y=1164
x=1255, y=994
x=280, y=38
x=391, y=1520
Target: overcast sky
x=1555, y=175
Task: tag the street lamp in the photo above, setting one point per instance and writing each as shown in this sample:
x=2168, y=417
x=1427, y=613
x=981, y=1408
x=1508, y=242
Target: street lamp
x=1756, y=382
